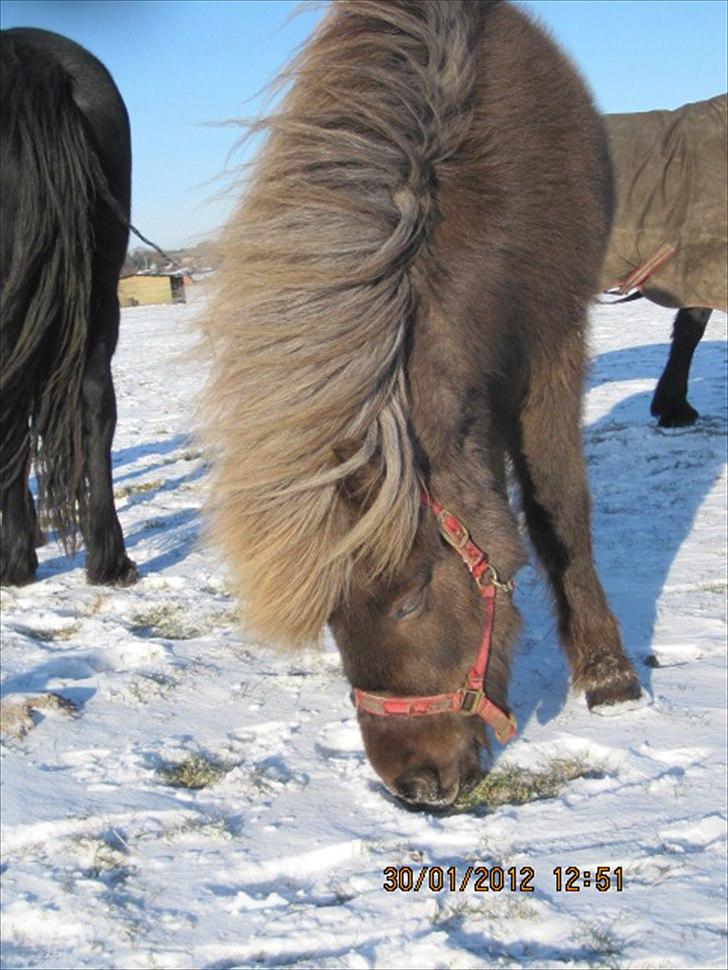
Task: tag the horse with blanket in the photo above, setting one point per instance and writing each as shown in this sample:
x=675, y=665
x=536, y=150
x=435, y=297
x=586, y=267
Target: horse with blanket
x=669, y=240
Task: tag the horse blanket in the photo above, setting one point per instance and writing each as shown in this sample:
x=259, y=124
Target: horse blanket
x=670, y=234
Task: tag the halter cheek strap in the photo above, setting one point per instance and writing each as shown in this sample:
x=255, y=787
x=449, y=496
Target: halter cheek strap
x=470, y=700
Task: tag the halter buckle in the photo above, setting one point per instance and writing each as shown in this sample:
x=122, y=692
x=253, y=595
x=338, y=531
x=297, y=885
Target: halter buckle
x=470, y=701
x=489, y=577
x=457, y=538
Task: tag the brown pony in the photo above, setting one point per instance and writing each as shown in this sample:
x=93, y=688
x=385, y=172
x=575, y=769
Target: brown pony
x=380, y=329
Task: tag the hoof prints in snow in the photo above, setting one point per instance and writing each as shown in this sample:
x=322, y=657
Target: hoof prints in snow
x=180, y=796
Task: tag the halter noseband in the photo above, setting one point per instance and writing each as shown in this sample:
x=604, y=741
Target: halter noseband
x=470, y=700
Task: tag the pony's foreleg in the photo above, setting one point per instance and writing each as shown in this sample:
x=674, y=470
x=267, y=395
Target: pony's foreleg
x=106, y=559
x=18, y=561
x=670, y=403
x=549, y=462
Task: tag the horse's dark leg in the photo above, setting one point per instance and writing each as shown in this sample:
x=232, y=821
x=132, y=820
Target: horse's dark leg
x=670, y=403
x=550, y=465
x=18, y=561
x=106, y=559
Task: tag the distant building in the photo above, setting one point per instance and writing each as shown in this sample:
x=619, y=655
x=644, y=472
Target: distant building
x=143, y=289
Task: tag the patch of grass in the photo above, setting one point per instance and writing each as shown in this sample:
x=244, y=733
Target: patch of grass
x=195, y=772
x=225, y=617
x=194, y=829
x=256, y=783
x=92, y=608
x=52, y=635
x=190, y=455
x=516, y=786
x=601, y=941
x=104, y=858
x=458, y=909
x=136, y=487
x=169, y=622
x=17, y=717
x=152, y=686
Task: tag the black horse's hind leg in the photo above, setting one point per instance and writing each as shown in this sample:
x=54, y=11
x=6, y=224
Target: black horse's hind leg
x=18, y=561
x=106, y=559
x=670, y=403
x=39, y=536
x=549, y=462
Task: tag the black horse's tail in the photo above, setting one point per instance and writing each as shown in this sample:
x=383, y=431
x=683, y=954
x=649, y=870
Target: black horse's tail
x=56, y=178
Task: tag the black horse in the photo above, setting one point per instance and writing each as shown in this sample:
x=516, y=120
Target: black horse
x=66, y=186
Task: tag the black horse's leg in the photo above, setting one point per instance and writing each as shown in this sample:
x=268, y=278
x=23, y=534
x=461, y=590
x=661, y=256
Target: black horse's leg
x=18, y=561
x=548, y=459
x=106, y=559
x=670, y=403
x=39, y=536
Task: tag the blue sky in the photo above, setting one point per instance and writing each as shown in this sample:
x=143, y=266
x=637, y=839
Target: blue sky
x=181, y=64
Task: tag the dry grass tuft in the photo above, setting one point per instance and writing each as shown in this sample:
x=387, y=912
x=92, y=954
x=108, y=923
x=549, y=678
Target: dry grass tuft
x=516, y=786
x=18, y=716
x=195, y=772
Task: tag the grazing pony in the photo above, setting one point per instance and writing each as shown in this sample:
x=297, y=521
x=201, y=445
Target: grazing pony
x=381, y=345
x=66, y=165
x=669, y=241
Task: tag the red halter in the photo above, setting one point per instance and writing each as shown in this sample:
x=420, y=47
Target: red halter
x=470, y=699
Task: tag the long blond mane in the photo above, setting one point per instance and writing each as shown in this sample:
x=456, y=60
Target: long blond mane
x=308, y=324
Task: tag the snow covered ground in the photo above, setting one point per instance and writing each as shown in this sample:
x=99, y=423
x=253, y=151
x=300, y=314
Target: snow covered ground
x=277, y=860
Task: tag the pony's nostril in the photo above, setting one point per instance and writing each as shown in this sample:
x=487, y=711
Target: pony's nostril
x=422, y=786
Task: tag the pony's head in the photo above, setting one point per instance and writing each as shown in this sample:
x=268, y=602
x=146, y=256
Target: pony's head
x=417, y=648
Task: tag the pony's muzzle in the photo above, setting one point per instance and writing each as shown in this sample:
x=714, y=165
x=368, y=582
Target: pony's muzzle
x=424, y=786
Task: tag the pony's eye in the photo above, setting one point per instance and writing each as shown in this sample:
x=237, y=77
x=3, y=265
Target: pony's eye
x=409, y=606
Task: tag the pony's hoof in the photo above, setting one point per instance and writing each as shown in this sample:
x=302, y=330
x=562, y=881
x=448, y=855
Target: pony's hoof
x=623, y=686
x=125, y=574
x=678, y=415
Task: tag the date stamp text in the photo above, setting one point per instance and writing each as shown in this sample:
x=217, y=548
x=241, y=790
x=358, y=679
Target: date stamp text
x=496, y=879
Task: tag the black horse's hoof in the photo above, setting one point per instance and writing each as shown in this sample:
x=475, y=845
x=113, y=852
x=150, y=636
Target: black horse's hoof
x=123, y=574
x=16, y=577
x=682, y=416
x=129, y=575
x=672, y=410
x=18, y=571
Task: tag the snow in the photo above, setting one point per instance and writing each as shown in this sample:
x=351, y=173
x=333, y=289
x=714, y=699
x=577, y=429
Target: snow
x=280, y=861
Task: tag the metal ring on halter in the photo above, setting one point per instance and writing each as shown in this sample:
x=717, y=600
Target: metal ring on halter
x=489, y=577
